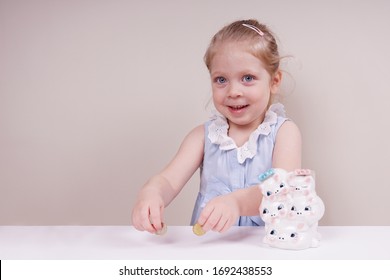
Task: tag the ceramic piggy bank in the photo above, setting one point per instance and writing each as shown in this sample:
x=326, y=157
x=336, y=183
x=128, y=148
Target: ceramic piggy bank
x=290, y=209
x=274, y=184
x=273, y=211
x=289, y=235
x=307, y=211
x=301, y=183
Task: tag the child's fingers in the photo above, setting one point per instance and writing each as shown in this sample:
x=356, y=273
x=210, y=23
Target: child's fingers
x=156, y=217
x=146, y=225
x=145, y=222
x=229, y=223
x=209, y=218
x=220, y=226
x=218, y=215
x=140, y=219
x=204, y=215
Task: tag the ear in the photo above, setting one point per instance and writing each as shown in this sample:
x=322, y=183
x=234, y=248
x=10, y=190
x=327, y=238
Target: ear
x=276, y=80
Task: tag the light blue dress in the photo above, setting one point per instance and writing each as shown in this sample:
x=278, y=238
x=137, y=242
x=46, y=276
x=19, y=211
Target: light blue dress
x=227, y=168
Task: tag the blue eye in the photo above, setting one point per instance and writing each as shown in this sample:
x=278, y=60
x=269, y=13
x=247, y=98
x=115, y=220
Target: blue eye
x=247, y=78
x=220, y=80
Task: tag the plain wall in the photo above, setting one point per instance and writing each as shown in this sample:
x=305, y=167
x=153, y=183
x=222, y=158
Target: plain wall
x=96, y=97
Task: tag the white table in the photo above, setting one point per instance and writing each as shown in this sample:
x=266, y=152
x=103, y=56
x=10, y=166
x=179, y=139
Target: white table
x=124, y=242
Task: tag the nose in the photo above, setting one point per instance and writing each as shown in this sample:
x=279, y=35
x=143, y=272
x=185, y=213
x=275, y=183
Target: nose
x=235, y=90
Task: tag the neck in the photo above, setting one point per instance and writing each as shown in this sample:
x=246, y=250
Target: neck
x=240, y=133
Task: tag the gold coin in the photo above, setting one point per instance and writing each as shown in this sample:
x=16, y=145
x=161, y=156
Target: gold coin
x=198, y=230
x=163, y=230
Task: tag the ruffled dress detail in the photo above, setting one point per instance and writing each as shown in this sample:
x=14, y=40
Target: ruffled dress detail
x=218, y=132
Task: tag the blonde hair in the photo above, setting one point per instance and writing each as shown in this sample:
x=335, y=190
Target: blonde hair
x=260, y=44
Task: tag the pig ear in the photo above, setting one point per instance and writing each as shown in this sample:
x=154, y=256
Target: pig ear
x=299, y=172
x=302, y=172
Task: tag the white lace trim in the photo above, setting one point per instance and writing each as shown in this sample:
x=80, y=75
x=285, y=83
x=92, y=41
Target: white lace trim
x=218, y=132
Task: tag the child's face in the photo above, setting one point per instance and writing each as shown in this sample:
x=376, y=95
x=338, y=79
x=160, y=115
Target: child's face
x=241, y=85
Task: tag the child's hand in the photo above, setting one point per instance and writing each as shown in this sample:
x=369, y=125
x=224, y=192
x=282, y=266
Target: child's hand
x=220, y=213
x=148, y=212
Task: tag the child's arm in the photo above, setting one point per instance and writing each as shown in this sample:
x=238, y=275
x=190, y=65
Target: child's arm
x=223, y=211
x=288, y=147
x=161, y=189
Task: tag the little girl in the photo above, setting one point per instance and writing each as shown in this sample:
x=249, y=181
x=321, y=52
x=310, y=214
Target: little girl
x=247, y=136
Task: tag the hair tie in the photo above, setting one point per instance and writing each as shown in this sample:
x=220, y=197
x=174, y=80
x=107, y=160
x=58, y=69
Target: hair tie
x=254, y=28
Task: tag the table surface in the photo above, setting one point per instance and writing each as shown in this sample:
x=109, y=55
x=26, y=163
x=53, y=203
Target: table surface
x=124, y=242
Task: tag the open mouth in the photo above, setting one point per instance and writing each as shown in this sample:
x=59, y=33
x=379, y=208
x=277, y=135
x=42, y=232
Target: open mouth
x=237, y=107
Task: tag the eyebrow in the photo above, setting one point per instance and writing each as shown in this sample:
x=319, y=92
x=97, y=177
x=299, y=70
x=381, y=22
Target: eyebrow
x=242, y=73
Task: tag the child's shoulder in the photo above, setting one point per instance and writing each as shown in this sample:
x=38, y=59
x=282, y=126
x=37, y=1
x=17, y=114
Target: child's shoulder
x=289, y=129
x=196, y=135
x=285, y=126
x=197, y=131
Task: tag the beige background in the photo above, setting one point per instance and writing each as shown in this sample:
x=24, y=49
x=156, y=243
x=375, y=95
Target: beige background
x=96, y=96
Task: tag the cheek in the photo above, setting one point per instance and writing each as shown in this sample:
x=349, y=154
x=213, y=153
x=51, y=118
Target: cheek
x=261, y=99
x=271, y=238
x=294, y=240
x=284, y=191
x=217, y=96
x=272, y=197
x=218, y=91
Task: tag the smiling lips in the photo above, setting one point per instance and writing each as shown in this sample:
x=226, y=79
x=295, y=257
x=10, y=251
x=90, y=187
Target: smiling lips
x=237, y=108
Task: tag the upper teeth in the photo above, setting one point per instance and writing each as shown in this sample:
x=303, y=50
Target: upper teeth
x=238, y=107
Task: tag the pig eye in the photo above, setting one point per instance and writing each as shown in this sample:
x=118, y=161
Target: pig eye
x=280, y=207
x=293, y=235
x=269, y=193
x=307, y=208
x=265, y=211
x=281, y=185
x=293, y=208
x=272, y=232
